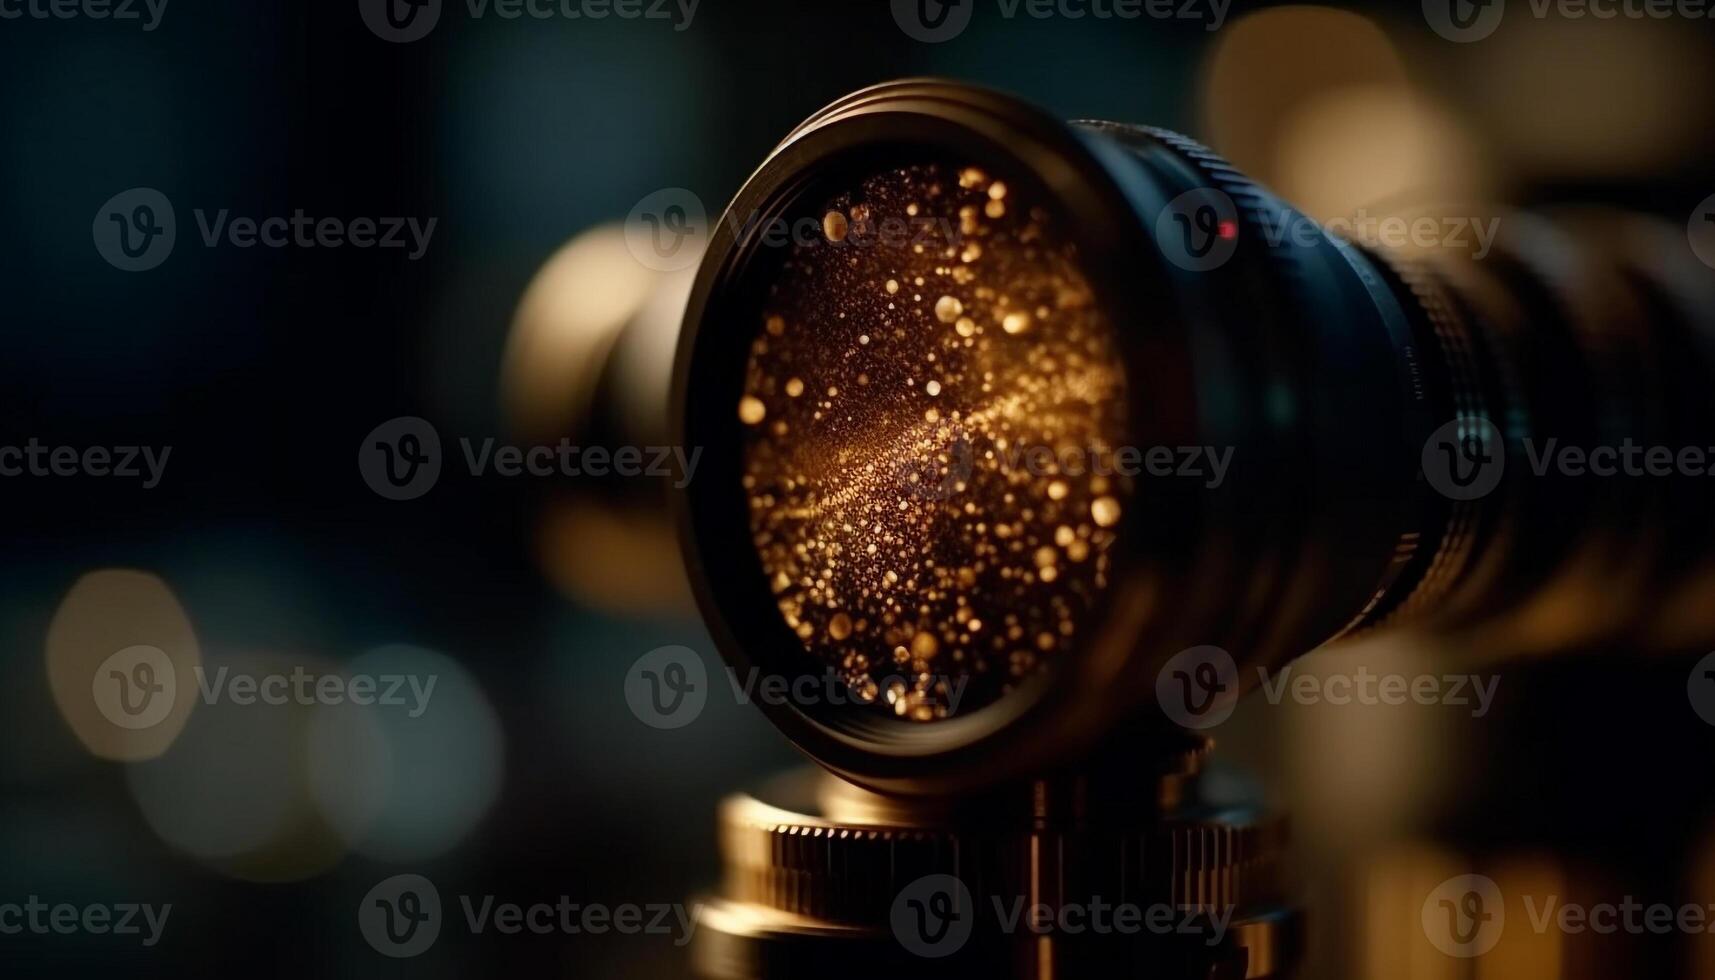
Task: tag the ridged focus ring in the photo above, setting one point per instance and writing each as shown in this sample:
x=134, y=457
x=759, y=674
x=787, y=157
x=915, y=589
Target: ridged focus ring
x=850, y=874
x=1440, y=566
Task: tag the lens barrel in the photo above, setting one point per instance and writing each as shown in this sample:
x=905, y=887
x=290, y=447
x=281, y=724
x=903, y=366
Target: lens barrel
x=1395, y=427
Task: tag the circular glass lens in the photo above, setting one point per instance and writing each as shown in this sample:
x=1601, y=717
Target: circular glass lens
x=934, y=411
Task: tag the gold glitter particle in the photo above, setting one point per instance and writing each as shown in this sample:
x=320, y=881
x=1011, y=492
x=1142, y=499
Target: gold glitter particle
x=834, y=226
x=1105, y=511
x=948, y=308
x=776, y=326
x=995, y=208
x=924, y=645
x=933, y=388
x=751, y=411
x=1017, y=321
x=840, y=626
x=892, y=286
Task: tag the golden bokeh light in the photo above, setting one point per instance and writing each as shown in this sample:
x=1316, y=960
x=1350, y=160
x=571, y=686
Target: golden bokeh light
x=623, y=560
x=1270, y=64
x=1564, y=97
x=121, y=663
x=1376, y=151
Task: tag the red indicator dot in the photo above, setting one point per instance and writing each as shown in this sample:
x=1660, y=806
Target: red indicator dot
x=1229, y=230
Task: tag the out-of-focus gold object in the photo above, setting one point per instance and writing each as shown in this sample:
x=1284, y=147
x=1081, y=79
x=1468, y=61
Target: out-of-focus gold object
x=589, y=360
x=569, y=320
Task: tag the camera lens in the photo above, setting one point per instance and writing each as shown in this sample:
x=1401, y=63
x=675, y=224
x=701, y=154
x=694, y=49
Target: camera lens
x=930, y=404
x=1002, y=413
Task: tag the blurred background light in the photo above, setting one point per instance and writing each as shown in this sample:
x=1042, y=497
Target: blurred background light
x=1269, y=65
x=1317, y=103
x=1568, y=98
x=233, y=792
x=1379, y=150
x=97, y=682
x=624, y=561
x=409, y=788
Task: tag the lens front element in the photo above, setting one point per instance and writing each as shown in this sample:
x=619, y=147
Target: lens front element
x=932, y=406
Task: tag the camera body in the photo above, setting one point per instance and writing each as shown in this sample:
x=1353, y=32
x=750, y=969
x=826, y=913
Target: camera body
x=1375, y=413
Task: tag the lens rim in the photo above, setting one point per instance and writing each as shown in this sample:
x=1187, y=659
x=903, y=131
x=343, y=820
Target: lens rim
x=1068, y=170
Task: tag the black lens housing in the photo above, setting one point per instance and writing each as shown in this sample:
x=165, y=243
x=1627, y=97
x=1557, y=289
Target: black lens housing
x=1322, y=366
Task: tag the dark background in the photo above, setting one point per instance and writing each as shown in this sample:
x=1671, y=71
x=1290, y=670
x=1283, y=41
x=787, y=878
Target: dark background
x=264, y=368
